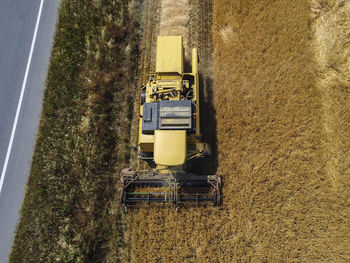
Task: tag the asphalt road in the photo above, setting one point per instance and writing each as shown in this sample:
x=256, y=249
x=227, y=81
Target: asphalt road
x=17, y=24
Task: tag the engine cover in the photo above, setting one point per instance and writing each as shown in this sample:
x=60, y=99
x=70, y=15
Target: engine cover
x=167, y=115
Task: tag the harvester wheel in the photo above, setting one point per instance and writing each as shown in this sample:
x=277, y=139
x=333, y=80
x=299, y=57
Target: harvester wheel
x=143, y=96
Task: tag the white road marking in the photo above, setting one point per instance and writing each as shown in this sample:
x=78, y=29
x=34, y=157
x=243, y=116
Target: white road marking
x=3, y=173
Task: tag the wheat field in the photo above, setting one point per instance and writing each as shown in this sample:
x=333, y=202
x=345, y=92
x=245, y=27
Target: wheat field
x=275, y=85
x=280, y=98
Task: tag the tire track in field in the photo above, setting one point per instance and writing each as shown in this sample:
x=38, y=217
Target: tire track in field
x=150, y=21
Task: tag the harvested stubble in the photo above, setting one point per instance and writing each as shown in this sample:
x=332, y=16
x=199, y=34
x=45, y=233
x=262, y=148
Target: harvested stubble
x=282, y=140
x=71, y=212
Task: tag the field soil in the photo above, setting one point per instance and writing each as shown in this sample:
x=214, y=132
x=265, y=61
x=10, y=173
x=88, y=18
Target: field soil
x=276, y=112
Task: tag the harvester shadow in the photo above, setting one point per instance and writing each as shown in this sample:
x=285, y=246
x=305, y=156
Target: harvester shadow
x=209, y=164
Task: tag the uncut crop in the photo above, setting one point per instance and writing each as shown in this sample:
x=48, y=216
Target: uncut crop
x=281, y=107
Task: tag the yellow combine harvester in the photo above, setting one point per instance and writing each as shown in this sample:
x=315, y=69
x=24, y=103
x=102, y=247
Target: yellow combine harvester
x=169, y=135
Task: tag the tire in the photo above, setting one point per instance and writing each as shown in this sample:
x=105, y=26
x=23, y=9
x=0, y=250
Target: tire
x=143, y=96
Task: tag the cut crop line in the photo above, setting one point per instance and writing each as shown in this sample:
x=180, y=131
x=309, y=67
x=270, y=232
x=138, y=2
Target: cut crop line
x=3, y=173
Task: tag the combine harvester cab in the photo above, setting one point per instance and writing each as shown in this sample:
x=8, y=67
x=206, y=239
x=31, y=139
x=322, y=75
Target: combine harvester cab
x=169, y=135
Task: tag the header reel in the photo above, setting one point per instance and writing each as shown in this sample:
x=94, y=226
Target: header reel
x=156, y=189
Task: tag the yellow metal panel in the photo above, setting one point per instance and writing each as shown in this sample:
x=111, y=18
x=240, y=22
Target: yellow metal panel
x=194, y=61
x=169, y=147
x=169, y=56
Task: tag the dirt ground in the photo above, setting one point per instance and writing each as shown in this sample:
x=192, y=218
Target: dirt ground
x=275, y=83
